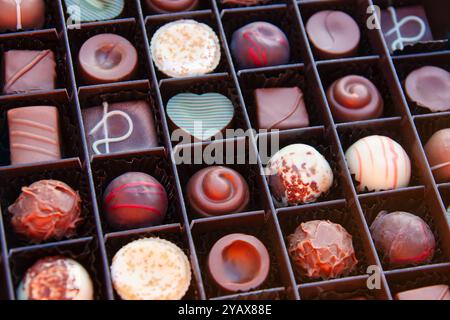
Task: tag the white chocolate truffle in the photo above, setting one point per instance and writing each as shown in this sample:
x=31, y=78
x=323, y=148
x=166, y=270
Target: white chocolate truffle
x=379, y=163
x=151, y=269
x=185, y=48
x=56, y=278
x=298, y=174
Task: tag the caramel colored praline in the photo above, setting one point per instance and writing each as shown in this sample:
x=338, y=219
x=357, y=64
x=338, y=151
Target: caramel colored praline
x=438, y=154
x=21, y=15
x=217, y=191
x=170, y=6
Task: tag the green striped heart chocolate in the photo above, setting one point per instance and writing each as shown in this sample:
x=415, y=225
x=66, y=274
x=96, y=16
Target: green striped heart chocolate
x=201, y=116
x=94, y=10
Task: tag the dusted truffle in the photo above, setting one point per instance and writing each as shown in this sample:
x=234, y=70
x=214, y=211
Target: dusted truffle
x=21, y=14
x=437, y=292
x=281, y=108
x=169, y=6
x=185, y=48
x=56, y=278
x=354, y=98
x=379, y=163
x=298, y=174
x=47, y=209
x=34, y=134
x=107, y=58
x=260, y=44
x=135, y=200
x=217, y=191
x=322, y=249
x=151, y=269
x=438, y=154
x=333, y=34
x=402, y=238
x=28, y=70
x=238, y=262
x=429, y=87
x=200, y=117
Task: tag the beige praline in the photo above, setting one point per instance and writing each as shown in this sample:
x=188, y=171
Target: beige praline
x=438, y=153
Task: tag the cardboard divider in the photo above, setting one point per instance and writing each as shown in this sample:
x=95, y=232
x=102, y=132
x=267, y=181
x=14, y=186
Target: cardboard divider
x=39, y=40
x=221, y=5
x=173, y=233
x=279, y=15
x=207, y=231
x=153, y=23
x=127, y=28
x=147, y=11
x=69, y=172
x=342, y=204
x=353, y=288
x=404, y=280
x=70, y=135
x=445, y=194
x=83, y=250
x=416, y=201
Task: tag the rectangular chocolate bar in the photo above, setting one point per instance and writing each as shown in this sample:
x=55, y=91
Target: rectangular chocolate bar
x=34, y=134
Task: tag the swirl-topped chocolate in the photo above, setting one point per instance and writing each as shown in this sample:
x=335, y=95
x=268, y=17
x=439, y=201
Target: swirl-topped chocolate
x=217, y=191
x=354, y=98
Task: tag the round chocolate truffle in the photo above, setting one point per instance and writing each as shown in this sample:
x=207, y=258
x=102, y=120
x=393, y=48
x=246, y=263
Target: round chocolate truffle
x=438, y=154
x=21, y=14
x=333, y=34
x=169, y=6
x=56, y=278
x=354, y=98
x=216, y=191
x=151, y=269
x=402, y=238
x=429, y=87
x=322, y=249
x=47, y=209
x=260, y=44
x=185, y=48
x=379, y=163
x=135, y=200
x=238, y=262
x=107, y=58
x=298, y=174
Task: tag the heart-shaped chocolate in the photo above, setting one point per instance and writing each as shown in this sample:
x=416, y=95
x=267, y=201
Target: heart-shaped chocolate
x=201, y=116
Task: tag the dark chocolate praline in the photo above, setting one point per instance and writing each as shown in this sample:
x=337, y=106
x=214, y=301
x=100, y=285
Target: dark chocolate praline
x=135, y=200
x=168, y=6
x=260, y=44
x=354, y=98
x=107, y=58
x=238, y=263
x=217, y=191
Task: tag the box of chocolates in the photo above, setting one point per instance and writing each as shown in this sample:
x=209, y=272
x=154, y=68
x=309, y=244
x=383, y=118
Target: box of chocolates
x=224, y=150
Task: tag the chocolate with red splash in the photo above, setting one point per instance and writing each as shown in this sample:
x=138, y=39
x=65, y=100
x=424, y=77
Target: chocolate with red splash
x=298, y=174
x=403, y=239
x=135, y=200
x=260, y=44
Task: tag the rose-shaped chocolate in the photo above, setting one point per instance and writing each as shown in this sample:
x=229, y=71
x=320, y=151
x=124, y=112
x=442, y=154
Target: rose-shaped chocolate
x=354, y=98
x=217, y=191
x=47, y=209
x=322, y=249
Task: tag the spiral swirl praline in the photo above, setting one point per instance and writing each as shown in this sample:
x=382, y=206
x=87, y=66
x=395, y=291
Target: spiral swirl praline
x=355, y=98
x=216, y=191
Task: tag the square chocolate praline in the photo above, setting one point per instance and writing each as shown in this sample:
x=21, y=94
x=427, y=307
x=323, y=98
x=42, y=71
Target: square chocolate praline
x=120, y=127
x=29, y=70
x=281, y=108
